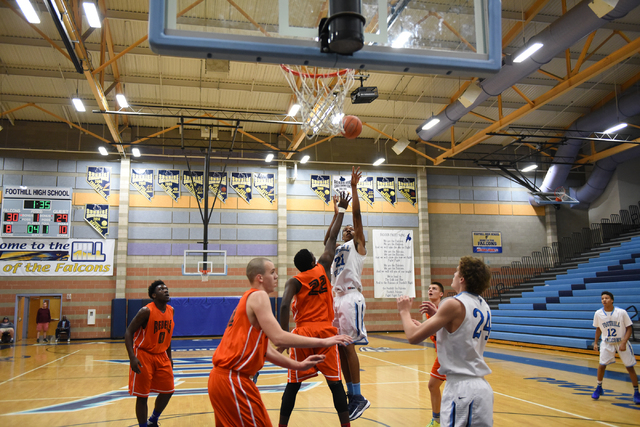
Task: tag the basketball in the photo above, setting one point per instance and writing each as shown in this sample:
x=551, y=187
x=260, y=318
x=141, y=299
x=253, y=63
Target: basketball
x=352, y=127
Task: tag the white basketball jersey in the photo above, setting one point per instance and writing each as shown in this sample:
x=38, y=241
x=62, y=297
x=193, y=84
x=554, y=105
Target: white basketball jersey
x=346, y=268
x=613, y=325
x=461, y=352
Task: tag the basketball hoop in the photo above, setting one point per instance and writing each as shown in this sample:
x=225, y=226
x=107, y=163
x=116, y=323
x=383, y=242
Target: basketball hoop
x=560, y=194
x=204, y=275
x=321, y=97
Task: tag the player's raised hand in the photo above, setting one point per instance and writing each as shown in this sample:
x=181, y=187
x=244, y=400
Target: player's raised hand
x=335, y=204
x=135, y=365
x=355, y=176
x=427, y=307
x=311, y=361
x=345, y=198
x=404, y=303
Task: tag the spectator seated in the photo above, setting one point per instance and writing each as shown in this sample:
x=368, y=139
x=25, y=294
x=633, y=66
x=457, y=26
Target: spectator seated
x=63, y=330
x=7, y=330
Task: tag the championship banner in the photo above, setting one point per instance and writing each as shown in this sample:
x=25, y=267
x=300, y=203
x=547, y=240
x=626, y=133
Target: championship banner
x=393, y=273
x=321, y=185
x=342, y=183
x=386, y=186
x=487, y=242
x=169, y=180
x=98, y=218
x=99, y=178
x=407, y=187
x=218, y=185
x=365, y=189
x=72, y=257
x=241, y=183
x=142, y=180
x=194, y=183
x=265, y=184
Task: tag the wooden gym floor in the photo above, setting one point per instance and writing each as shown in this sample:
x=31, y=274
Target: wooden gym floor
x=85, y=383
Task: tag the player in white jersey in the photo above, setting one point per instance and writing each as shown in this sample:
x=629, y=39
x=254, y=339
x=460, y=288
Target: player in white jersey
x=349, y=303
x=462, y=325
x=614, y=325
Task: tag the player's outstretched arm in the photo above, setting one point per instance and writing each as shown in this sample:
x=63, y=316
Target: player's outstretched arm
x=279, y=359
x=258, y=306
x=290, y=290
x=140, y=321
x=330, y=244
x=335, y=216
x=358, y=231
x=447, y=312
x=597, y=339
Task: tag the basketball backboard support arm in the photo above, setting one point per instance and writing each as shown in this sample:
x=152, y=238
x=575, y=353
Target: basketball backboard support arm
x=165, y=38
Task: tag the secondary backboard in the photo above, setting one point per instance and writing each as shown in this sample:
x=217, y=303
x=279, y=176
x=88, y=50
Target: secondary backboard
x=461, y=37
x=553, y=198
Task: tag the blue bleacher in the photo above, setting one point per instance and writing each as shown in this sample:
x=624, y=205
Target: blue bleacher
x=560, y=312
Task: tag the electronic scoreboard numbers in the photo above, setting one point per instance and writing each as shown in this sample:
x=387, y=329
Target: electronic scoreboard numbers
x=36, y=212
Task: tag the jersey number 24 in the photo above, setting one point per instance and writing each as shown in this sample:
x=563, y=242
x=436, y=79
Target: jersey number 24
x=479, y=327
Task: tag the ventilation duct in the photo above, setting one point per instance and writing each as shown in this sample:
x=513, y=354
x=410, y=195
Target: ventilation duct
x=556, y=38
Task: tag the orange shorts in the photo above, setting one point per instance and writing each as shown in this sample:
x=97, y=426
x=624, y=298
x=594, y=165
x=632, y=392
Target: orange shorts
x=156, y=375
x=435, y=373
x=42, y=327
x=330, y=368
x=236, y=400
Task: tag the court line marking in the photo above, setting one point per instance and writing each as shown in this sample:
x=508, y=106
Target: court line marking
x=35, y=369
x=501, y=394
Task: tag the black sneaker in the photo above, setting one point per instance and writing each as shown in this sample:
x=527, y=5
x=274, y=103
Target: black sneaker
x=357, y=406
x=46, y=340
x=152, y=423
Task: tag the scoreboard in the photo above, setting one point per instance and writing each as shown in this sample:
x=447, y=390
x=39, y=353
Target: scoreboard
x=43, y=212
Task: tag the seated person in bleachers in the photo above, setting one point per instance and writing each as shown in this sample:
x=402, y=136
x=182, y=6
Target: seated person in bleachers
x=63, y=327
x=7, y=326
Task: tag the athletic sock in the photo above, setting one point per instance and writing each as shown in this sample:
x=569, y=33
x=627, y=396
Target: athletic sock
x=350, y=389
x=154, y=417
x=436, y=416
x=635, y=389
x=356, y=389
x=600, y=383
x=345, y=425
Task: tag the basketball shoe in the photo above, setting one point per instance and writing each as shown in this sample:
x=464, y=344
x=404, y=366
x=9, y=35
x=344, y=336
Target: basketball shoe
x=434, y=423
x=357, y=406
x=597, y=393
x=636, y=397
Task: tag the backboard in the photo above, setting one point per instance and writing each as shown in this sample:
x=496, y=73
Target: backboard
x=461, y=37
x=204, y=263
x=553, y=198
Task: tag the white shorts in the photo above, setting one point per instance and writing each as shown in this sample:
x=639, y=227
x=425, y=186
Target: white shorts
x=608, y=354
x=349, y=320
x=466, y=401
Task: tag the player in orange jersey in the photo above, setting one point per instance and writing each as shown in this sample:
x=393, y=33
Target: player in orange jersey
x=436, y=292
x=148, y=342
x=244, y=347
x=312, y=309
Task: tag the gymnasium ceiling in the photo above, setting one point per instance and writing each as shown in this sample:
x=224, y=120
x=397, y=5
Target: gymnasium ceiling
x=37, y=83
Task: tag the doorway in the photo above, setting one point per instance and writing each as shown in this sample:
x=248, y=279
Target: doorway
x=27, y=309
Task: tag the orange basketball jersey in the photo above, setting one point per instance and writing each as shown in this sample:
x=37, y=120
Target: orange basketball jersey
x=156, y=336
x=243, y=347
x=314, y=301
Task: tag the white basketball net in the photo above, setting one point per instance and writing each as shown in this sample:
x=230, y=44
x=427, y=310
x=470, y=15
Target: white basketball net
x=321, y=98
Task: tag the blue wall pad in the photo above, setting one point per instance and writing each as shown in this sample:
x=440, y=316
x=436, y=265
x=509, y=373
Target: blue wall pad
x=202, y=316
x=118, y=317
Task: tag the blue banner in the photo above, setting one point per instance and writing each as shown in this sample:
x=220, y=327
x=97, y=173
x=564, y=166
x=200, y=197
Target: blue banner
x=194, y=183
x=142, y=180
x=241, y=183
x=265, y=184
x=407, y=187
x=99, y=178
x=365, y=189
x=321, y=185
x=169, y=180
x=386, y=186
x=98, y=218
x=218, y=185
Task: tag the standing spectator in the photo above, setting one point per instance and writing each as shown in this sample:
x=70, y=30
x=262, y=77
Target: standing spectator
x=42, y=319
x=63, y=327
x=7, y=327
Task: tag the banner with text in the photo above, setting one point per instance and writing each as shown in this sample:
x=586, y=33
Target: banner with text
x=393, y=270
x=194, y=182
x=365, y=189
x=142, y=180
x=99, y=178
x=42, y=257
x=241, y=184
x=342, y=183
x=487, y=242
x=218, y=185
x=321, y=185
x=169, y=180
x=265, y=184
x=386, y=186
x=407, y=187
x=98, y=218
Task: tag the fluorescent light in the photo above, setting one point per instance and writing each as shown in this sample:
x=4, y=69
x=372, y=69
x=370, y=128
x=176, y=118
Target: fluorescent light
x=29, y=12
x=379, y=161
x=91, y=13
x=336, y=119
x=103, y=150
x=529, y=168
x=77, y=102
x=122, y=101
x=401, y=40
x=294, y=110
x=135, y=151
x=431, y=123
x=268, y=158
x=527, y=53
x=305, y=159
x=616, y=128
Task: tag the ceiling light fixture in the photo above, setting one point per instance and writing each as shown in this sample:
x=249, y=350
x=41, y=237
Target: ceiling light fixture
x=268, y=158
x=529, y=167
x=616, y=128
x=294, y=110
x=77, y=102
x=91, y=12
x=29, y=12
x=103, y=151
x=431, y=123
x=122, y=101
x=305, y=159
x=528, y=52
x=401, y=40
x=135, y=151
x=379, y=161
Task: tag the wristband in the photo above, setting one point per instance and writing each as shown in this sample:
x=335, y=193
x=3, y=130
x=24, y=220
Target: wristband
x=341, y=210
